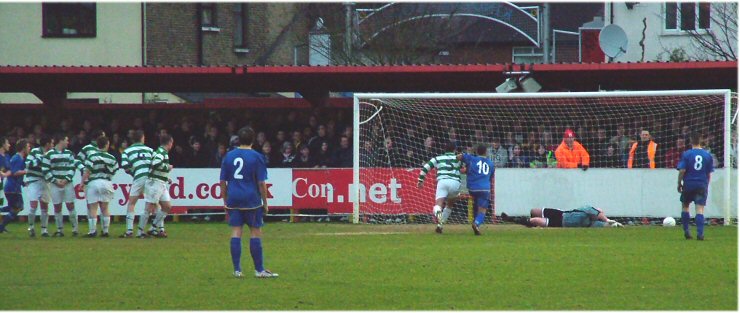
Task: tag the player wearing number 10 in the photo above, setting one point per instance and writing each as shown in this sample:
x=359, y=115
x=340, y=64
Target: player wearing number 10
x=695, y=168
x=243, y=175
x=480, y=173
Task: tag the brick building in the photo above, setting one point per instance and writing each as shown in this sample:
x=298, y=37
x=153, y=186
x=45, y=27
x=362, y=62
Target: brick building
x=225, y=33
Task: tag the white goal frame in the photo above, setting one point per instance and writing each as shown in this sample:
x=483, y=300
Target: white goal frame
x=728, y=116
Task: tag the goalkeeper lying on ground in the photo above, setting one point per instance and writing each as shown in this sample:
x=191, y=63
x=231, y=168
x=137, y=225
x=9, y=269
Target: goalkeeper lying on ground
x=585, y=216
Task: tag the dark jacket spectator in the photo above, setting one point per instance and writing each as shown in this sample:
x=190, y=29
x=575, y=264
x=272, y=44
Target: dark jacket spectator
x=272, y=158
x=218, y=156
x=315, y=143
x=599, y=147
x=612, y=159
x=343, y=154
x=324, y=157
x=304, y=158
x=196, y=157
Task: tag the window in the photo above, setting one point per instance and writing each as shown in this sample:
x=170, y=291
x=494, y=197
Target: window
x=208, y=15
x=240, y=31
x=686, y=16
x=527, y=55
x=68, y=19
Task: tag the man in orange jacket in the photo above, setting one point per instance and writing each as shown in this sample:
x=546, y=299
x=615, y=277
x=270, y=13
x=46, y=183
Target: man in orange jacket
x=570, y=153
x=642, y=154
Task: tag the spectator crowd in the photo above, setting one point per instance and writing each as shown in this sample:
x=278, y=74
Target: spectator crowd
x=322, y=137
x=303, y=138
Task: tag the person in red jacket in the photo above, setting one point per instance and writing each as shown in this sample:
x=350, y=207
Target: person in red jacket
x=570, y=153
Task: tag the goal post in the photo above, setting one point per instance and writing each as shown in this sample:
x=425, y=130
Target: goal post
x=394, y=134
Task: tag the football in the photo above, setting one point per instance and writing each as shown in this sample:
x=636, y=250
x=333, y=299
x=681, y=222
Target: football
x=669, y=221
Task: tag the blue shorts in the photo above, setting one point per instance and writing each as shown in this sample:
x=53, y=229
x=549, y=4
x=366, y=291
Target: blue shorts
x=481, y=199
x=253, y=218
x=697, y=195
x=15, y=200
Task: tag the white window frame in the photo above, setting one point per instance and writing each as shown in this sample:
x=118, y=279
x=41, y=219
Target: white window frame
x=678, y=30
x=531, y=53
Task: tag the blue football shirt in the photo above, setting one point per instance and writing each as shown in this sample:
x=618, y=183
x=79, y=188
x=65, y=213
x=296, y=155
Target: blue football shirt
x=480, y=170
x=4, y=166
x=243, y=169
x=698, y=164
x=14, y=183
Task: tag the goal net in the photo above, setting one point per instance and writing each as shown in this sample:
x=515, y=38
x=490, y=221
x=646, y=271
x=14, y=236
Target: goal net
x=634, y=141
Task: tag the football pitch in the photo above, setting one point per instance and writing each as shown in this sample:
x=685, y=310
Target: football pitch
x=374, y=267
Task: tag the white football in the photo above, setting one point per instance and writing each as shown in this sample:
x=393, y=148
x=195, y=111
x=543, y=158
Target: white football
x=669, y=221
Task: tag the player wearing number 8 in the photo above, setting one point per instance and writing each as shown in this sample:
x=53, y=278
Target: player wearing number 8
x=243, y=175
x=694, y=170
x=480, y=174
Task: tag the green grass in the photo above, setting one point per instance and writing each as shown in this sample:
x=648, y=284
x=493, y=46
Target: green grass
x=324, y=267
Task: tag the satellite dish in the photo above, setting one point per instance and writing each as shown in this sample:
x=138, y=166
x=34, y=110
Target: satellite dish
x=613, y=40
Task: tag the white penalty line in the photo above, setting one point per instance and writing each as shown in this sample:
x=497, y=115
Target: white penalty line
x=362, y=233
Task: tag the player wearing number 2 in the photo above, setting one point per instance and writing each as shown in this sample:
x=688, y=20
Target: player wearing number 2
x=694, y=170
x=480, y=174
x=243, y=175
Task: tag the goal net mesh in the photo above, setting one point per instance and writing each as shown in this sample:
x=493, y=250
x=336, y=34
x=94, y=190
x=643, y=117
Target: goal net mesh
x=398, y=135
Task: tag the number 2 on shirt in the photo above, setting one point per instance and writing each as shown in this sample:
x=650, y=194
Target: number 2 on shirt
x=240, y=163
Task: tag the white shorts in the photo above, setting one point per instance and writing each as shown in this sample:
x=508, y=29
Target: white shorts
x=99, y=190
x=39, y=190
x=137, y=188
x=65, y=194
x=447, y=188
x=156, y=191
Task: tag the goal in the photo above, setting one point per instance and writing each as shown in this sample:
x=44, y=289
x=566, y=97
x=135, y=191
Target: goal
x=395, y=134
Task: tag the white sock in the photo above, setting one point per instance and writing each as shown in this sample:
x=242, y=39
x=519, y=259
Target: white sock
x=445, y=215
x=106, y=223
x=44, y=220
x=93, y=224
x=73, y=219
x=129, y=222
x=143, y=220
x=159, y=219
x=31, y=217
x=436, y=209
x=59, y=220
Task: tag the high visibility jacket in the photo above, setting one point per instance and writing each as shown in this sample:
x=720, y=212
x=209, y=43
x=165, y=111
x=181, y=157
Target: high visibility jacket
x=571, y=158
x=651, y=148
